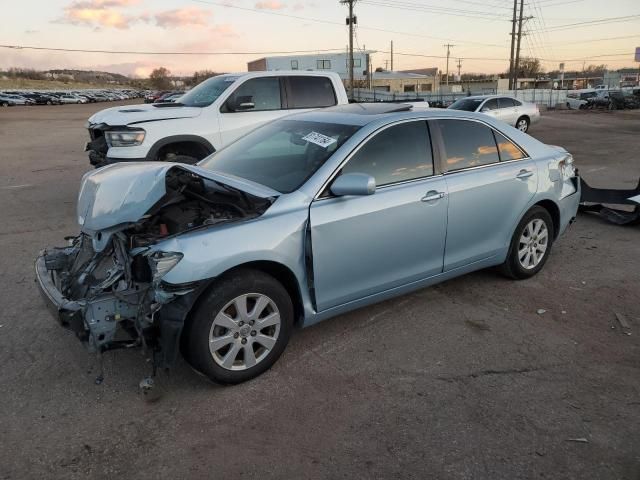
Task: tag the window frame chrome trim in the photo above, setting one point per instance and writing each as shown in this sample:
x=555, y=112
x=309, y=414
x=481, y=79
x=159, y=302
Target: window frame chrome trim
x=435, y=152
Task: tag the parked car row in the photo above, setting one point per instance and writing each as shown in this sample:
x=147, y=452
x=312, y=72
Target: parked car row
x=10, y=98
x=604, y=98
x=163, y=96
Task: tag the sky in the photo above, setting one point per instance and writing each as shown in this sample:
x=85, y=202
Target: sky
x=575, y=32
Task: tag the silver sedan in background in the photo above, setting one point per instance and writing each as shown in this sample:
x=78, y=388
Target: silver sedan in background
x=510, y=110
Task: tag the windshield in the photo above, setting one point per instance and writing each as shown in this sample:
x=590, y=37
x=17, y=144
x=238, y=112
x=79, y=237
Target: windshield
x=281, y=155
x=467, y=104
x=205, y=93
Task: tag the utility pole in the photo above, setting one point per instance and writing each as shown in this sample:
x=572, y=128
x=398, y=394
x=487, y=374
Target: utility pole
x=351, y=20
x=448, y=45
x=392, y=55
x=459, y=68
x=513, y=42
x=517, y=61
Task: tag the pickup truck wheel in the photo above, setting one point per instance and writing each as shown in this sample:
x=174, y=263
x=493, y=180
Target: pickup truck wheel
x=523, y=124
x=240, y=328
x=530, y=245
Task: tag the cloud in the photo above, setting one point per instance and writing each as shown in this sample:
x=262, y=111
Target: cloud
x=110, y=14
x=270, y=5
x=98, y=13
x=182, y=17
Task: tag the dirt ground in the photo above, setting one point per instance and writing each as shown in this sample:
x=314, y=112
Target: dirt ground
x=462, y=380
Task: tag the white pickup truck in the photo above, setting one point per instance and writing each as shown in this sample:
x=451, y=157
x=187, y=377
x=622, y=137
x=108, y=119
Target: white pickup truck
x=208, y=117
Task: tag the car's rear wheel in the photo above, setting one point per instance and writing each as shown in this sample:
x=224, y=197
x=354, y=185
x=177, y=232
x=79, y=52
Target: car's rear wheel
x=530, y=245
x=240, y=328
x=523, y=124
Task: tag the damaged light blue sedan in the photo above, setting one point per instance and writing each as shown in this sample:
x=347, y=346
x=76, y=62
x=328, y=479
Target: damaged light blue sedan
x=301, y=220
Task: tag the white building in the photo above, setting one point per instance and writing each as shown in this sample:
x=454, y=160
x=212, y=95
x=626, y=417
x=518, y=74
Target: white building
x=334, y=62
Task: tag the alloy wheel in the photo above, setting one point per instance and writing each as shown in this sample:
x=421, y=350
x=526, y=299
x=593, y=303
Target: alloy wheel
x=522, y=125
x=533, y=244
x=244, y=331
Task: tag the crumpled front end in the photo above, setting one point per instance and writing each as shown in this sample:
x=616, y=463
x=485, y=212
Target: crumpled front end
x=107, y=284
x=110, y=299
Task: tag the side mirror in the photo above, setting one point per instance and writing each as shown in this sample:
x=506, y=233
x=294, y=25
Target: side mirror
x=353, y=184
x=236, y=104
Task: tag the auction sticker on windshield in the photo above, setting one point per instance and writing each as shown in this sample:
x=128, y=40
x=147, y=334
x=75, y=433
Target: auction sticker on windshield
x=319, y=139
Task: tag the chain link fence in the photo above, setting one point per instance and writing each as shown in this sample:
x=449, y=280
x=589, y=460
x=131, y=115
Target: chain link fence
x=549, y=98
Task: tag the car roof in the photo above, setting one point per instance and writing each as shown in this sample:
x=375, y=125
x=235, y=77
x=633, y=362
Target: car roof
x=276, y=73
x=361, y=114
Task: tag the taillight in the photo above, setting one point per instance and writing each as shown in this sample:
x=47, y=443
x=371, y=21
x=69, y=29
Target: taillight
x=566, y=167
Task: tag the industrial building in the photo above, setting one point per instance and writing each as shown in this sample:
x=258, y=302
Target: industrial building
x=418, y=81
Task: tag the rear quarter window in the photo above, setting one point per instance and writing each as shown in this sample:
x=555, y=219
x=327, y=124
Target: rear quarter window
x=310, y=92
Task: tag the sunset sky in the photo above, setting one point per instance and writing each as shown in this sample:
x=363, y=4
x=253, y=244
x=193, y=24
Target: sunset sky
x=478, y=29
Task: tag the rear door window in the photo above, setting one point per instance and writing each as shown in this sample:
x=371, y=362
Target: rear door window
x=491, y=104
x=396, y=154
x=310, y=92
x=506, y=102
x=467, y=144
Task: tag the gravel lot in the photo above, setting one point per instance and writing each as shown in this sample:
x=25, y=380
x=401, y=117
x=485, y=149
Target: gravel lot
x=461, y=380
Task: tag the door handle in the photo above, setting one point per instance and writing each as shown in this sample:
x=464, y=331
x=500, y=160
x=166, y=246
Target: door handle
x=524, y=174
x=432, y=195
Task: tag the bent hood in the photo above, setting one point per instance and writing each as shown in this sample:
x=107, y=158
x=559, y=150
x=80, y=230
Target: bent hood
x=134, y=114
x=123, y=193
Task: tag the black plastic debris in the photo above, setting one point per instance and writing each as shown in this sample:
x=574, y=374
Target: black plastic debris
x=601, y=201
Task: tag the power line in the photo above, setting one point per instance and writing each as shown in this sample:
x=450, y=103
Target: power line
x=410, y=54
x=602, y=21
x=437, y=10
x=138, y=52
x=329, y=22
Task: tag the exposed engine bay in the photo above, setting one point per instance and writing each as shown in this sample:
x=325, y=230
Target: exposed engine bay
x=192, y=202
x=114, y=297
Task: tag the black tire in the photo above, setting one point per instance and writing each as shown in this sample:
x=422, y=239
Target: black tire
x=48, y=102
x=5, y=104
x=195, y=345
x=526, y=124
x=512, y=267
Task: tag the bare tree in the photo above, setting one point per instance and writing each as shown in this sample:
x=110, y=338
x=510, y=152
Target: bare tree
x=159, y=78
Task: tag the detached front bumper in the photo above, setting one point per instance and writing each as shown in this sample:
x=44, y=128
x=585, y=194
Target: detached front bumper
x=68, y=313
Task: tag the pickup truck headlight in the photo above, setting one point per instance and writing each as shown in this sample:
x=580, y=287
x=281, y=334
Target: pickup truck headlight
x=162, y=262
x=124, y=138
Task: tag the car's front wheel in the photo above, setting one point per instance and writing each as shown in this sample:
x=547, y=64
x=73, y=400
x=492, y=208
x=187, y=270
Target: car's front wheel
x=530, y=245
x=240, y=328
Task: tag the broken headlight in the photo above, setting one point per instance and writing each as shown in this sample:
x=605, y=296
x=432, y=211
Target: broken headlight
x=162, y=262
x=124, y=138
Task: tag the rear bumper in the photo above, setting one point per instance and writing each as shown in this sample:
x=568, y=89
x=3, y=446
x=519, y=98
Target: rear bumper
x=569, y=206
